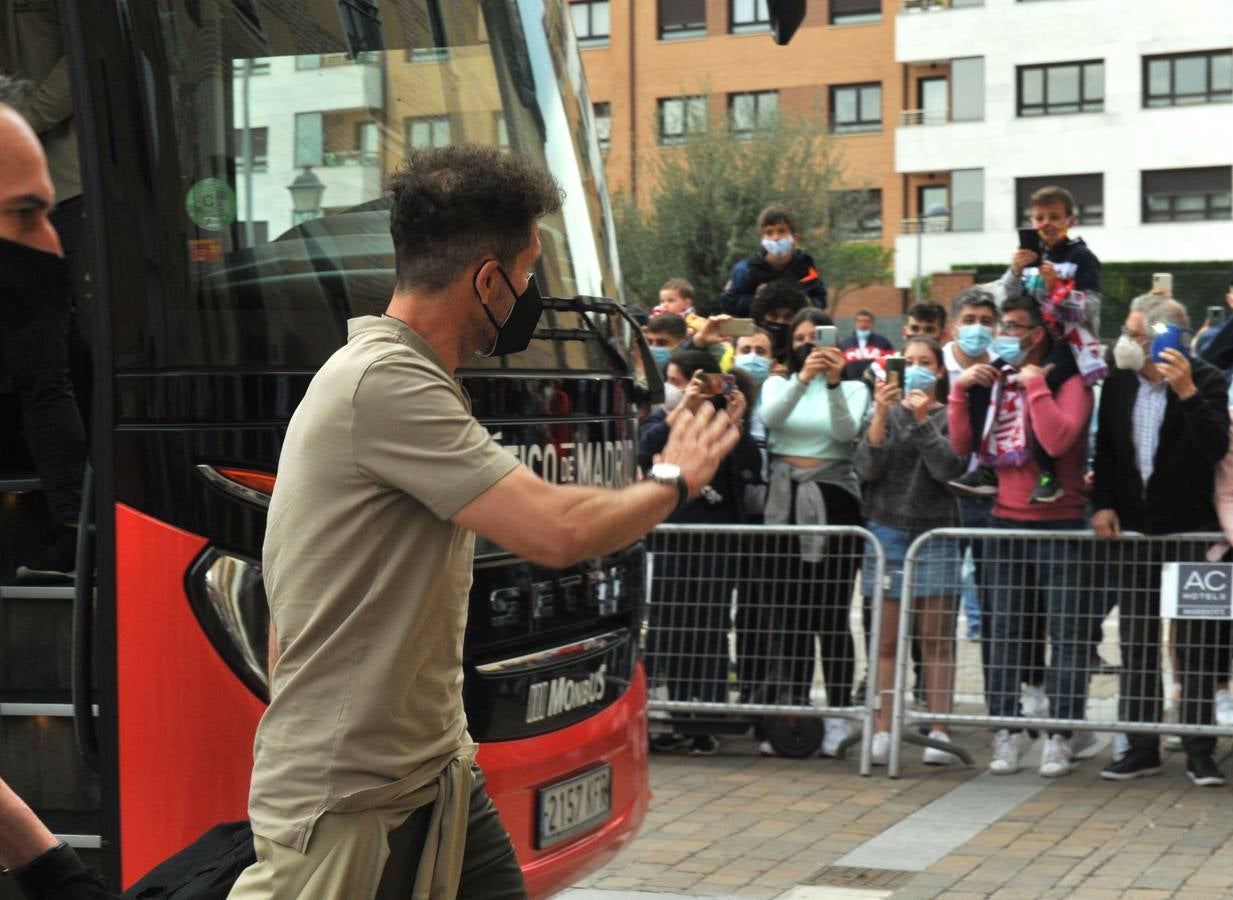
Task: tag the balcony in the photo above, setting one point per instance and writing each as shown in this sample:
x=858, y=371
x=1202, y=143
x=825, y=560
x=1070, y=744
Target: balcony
x=910, y=117
x=922, y=6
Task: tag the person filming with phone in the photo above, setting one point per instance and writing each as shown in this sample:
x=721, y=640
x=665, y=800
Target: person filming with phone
x=687, y=649
x=812, y=420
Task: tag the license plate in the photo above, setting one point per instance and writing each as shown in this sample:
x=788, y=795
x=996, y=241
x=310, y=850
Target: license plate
x=570, y=807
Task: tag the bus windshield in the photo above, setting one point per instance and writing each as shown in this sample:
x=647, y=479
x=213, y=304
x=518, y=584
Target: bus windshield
x=275, y=127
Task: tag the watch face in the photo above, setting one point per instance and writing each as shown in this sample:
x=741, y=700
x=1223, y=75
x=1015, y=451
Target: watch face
x=665, y=471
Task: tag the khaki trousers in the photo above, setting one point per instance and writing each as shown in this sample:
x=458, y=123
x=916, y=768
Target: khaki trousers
x=349, y=854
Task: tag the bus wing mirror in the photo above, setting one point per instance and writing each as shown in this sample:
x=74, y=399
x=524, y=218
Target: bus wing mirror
x=786, y=17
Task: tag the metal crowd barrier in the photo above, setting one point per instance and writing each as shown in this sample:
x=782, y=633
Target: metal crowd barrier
x=1086, y=619
x=762, y=627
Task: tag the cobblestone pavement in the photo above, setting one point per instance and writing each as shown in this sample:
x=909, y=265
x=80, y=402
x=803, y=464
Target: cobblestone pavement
x=740, y=825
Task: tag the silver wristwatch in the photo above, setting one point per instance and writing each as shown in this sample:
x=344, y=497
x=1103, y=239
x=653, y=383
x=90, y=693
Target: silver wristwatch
x=667, y=473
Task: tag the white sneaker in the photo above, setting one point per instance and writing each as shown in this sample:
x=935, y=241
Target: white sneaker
x=879, y=752
x=1006, y=750
x=935, y=757
x=1034, y=704
x=1121, y=745
x=767, y=749
x=1084, y=745
x=1055, y=759
x=837, y=731
x=1224, y=708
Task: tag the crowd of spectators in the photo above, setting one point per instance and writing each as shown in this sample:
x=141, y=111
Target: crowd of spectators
x=988, y=415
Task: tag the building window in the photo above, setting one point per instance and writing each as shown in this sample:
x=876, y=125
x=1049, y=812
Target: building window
x=1188, y=195
x=854, y=12
x=967, y=195
x=1188, y=78
x=592, y=22
x=500, y=127
x=857, y=215
x=603, y=125
x=1088, y=191
x=427, y=37
x=427, y=131
x=309, y=139
x=259, y=144
x=747, y=16
x=366, y=142
x=752, y=112
x=856, y=108
x=681, y=19
x=680, y=118
x=1062, y=88
x=931, y=197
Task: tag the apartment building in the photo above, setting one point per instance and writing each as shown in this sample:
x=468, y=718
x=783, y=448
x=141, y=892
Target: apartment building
x=658, y=71
x=1128, y=103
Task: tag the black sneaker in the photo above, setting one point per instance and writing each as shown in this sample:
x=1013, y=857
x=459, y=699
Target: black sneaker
x=704, y=745
x=56, y=563
x=1048, y=489
x=666, y=743
x=1202, y=770
x=980, y=482
x=1137, y=763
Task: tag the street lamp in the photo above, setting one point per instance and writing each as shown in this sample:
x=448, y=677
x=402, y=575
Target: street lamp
x=935, y=210
x=306, y=190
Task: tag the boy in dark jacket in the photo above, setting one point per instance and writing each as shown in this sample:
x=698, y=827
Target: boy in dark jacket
x=780, y=259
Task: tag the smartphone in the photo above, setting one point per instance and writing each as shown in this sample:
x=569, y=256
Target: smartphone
x=714, y=385
x=1029, y=239
x=1217, y=315
x=736, y=328
x=826, y=336
x=895, y=367
x=1163, y=281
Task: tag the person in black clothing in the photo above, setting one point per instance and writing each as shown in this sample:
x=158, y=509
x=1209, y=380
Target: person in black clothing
x=35, y=293
x=775, y=305
x=864, y=346
x=1163, y=430
x=780, y=259
x=687, y=648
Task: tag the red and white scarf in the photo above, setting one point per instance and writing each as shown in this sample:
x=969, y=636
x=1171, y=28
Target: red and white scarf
x=1004, y=444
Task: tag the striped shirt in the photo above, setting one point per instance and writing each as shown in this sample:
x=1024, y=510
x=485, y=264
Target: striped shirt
x=1145, y=421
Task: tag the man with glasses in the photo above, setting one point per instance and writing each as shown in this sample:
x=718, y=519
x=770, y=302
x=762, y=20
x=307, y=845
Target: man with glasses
x=1163, y=430
x=1026, y=577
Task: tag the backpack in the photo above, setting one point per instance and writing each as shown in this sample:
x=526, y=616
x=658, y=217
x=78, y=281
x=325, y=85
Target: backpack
x=204, y=870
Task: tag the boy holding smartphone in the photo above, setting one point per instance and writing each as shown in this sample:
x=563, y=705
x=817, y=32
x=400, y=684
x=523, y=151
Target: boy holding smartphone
x=1063, y=275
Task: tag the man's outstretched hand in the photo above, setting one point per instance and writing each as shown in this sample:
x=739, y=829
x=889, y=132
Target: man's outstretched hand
x=697, y=443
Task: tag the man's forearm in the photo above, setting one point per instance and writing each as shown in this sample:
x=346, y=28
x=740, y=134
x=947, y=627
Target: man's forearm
x=602, y=520
x=23, y=836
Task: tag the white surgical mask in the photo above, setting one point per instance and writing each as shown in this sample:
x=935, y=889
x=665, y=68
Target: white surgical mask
x=1128, y=354
x=779, y=248
x=672, y=396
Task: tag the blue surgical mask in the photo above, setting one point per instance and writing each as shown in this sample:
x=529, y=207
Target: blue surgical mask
x=661, y=354
x=918, y=378
x=781, y=247
x=758, y=367
x=1008, y=348
x=975, y=339
x=863, y=333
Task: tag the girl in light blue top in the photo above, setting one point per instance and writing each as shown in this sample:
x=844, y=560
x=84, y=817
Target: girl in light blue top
x=813, y=424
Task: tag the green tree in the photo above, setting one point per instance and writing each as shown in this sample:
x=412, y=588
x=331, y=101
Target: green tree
x=700, y=218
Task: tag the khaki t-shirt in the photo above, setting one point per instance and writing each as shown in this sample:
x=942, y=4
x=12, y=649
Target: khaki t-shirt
x=368, y=582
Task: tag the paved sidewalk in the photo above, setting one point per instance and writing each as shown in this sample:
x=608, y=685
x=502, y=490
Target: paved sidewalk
x=739, y=825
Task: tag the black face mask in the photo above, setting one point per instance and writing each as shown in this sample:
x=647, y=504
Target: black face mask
x=780, y=333
x=514, y=334
x=799, y=355
x=29, y=278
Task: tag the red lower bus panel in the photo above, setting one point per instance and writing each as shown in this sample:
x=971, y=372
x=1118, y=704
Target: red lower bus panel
x=185, y=721
x=186, y=727
x=516, y=769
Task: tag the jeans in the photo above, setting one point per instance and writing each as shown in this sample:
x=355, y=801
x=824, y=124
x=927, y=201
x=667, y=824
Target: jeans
x=1025, y=578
